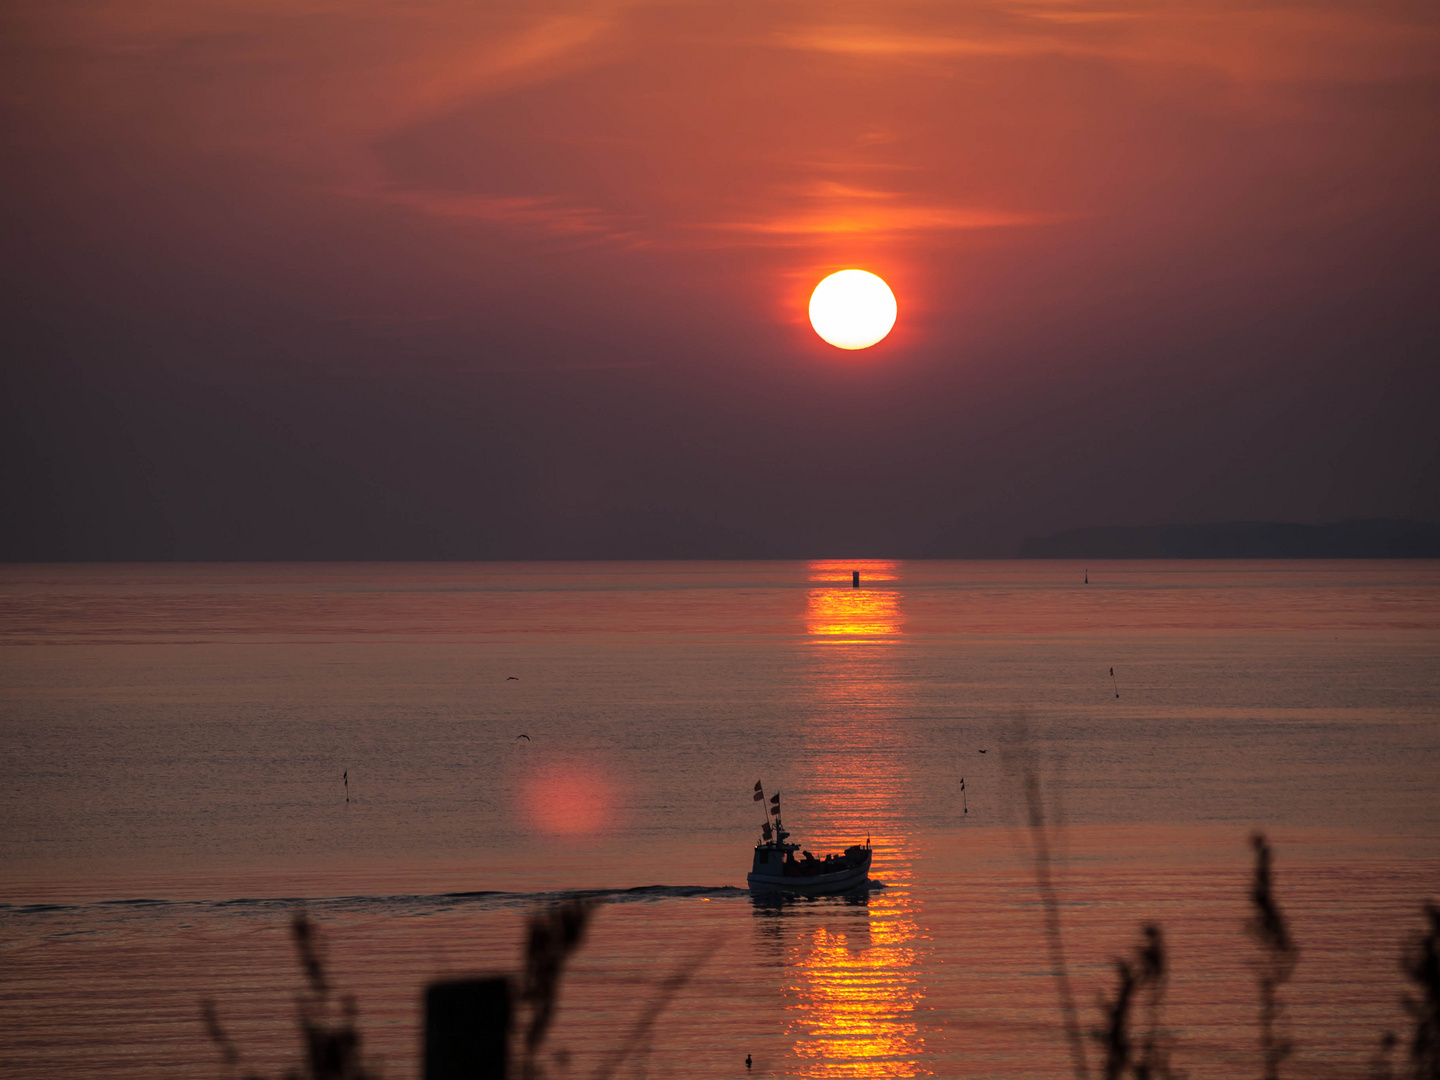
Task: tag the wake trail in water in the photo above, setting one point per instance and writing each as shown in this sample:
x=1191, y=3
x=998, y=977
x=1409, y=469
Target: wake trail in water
x=402, y=905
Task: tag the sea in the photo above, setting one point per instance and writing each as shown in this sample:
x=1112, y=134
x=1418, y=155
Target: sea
x=423, y=757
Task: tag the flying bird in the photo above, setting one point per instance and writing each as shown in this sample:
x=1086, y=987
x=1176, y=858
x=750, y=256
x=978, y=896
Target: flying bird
x=522, y=735
x=983, y=751
x=512, y=678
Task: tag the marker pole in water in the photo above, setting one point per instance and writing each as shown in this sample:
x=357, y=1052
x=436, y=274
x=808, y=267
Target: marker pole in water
x=854, y=579
x=346, y=778
x=963, y=801
x=1114, y=683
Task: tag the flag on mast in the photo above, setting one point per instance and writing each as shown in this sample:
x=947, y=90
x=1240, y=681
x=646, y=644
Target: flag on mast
x=759, y=792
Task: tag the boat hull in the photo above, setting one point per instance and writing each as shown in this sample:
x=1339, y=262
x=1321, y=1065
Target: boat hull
x=819, y=885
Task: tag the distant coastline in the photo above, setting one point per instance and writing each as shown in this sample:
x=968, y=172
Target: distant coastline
x=1369, y=538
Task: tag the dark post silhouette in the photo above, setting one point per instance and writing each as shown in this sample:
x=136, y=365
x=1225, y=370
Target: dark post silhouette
x=855, y=579
x=467, y=1027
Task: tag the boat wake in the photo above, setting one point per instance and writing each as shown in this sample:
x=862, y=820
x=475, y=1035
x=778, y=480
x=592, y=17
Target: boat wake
x=404, y=905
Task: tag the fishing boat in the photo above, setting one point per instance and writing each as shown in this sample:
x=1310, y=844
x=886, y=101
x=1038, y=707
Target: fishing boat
x=776, y=869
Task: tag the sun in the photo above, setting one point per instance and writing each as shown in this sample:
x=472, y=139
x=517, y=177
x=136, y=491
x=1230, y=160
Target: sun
x=852, y=309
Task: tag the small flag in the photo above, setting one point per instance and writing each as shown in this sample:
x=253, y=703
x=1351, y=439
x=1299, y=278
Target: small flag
x=775, y=798
x=757, y=785
x=775, y=810
x=759, y=795
x=765, y=829
x=1112, y=672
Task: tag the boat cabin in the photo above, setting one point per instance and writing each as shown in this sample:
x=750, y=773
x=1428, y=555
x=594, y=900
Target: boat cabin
x=776, y=858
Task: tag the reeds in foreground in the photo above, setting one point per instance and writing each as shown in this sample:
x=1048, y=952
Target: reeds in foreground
x=466, y=1041
x=1019, y=758
x=1421, y=965
x=1278, y=956
x=554, y=934
x=330, y=1042
x=1140, y=977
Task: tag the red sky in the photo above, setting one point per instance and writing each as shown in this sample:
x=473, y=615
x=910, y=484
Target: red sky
x=479, y=279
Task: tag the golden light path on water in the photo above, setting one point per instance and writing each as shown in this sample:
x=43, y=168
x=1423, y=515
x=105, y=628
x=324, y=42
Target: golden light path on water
x=862, y=613
x=854, y=989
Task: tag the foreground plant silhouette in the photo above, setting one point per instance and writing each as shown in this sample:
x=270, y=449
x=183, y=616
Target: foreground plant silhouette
x=1278, y=957
x=331, y=1045
x=553, y=935
x=1421, y=964
x=1141, y=976
x=1021, y=761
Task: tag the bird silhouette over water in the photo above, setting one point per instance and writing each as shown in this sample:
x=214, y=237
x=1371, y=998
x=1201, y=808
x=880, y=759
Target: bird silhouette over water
x=747, y=1061
x=512, y=678
x=984, y=751
x=522, y=735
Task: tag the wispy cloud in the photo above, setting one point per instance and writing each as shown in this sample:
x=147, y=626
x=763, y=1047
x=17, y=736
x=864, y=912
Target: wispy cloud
x=878, y=41
x=552, y=47
x=1251, y=42
x=549, y=216
x=874, y=222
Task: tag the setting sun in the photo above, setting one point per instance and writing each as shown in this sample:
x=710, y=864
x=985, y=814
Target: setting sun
x=852, y=309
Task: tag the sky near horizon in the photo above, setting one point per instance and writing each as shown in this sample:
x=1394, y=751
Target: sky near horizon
x=480, y=280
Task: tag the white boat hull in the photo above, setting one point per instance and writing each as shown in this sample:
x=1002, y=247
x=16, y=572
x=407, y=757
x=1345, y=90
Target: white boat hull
x=819, y=885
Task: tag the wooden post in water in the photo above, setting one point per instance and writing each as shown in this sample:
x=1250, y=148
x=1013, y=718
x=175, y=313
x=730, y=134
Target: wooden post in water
x=855, y=579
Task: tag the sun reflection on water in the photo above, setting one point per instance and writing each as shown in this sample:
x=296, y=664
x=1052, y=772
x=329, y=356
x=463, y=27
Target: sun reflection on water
x=837, y=610
x=853, y=991
x=853, y=1002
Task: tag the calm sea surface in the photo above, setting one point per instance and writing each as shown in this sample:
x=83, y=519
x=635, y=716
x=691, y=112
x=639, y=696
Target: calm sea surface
x=173, y=741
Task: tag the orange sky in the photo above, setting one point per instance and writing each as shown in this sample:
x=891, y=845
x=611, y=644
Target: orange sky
x=1185, y=246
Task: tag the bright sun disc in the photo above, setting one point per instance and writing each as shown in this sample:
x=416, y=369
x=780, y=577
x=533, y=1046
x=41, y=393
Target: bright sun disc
x=852, y=309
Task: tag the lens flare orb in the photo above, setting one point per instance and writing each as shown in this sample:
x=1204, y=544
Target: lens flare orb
x=852, y=309
x=568, y=799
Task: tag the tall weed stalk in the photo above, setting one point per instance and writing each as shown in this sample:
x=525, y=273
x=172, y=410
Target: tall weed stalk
x=1278, y=956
